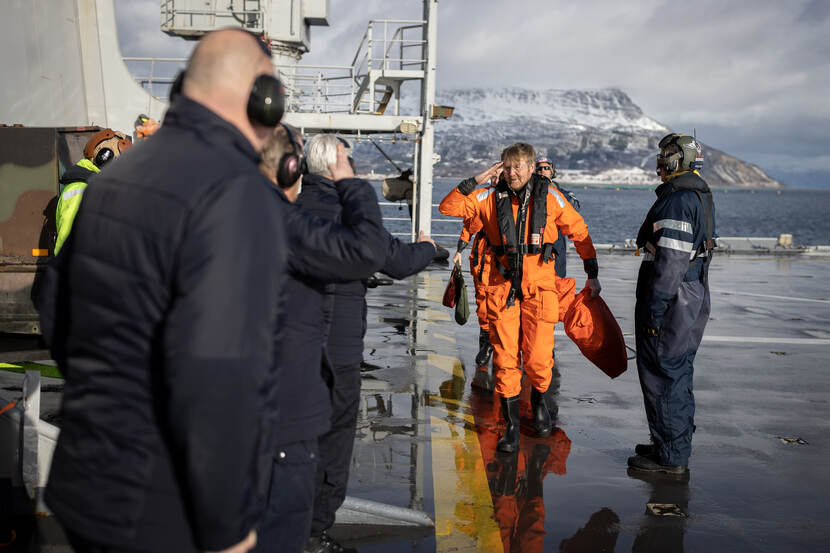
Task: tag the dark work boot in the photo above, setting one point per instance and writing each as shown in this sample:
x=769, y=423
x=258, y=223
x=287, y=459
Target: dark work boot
x=650, y=464
x=485, y=350
x=326, y=544
x=645, y=450
x=541, y=416
x=509, y=442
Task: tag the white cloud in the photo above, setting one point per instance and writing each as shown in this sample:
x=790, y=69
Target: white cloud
x=728, y=68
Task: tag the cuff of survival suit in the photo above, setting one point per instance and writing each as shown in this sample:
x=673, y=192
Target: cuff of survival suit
x=591, y=267
x=467, y=185
x=460, y=246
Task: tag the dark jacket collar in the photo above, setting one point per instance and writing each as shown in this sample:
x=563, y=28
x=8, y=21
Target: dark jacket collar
x=317, y=180
x=189, y=114
x=688, y=180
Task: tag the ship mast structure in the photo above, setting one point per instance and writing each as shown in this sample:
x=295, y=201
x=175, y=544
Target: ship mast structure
x=363, y=98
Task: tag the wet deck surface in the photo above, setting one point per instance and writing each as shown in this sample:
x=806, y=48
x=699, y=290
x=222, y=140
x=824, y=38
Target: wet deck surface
x=429, y=424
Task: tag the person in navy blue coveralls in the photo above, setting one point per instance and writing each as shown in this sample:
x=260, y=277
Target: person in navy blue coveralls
x=672, y=305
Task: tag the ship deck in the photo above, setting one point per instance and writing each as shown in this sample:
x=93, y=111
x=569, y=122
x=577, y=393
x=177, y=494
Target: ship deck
x=758, y=478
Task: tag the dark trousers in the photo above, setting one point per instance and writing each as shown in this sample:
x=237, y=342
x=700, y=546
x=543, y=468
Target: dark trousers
x=336, y=448
x=286, y=525
x=665, y=364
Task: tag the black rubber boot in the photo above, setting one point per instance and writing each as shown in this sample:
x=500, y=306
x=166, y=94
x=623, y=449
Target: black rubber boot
x=509, y=442
x=485, y=349
x=535, y=470
x=650, y=464
x=506, y=481
x=541, y=416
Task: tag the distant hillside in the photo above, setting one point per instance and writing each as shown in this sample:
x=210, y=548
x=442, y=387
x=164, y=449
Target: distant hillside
x=594, y=136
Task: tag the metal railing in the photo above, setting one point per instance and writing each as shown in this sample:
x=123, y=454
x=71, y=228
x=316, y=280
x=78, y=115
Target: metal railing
x=318, y=88
x=252, y=16
x=150, y=72
x=335, y=88
x=447, y=224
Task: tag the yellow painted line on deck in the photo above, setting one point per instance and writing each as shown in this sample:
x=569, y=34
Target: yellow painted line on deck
x=463, y=412
x=446, y=363
x=463, y=504
x=435, y=315
x=450, y=339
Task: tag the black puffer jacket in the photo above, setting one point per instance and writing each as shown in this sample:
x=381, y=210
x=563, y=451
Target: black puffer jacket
x=345, y=339
x=322, y=251
x=170, y=294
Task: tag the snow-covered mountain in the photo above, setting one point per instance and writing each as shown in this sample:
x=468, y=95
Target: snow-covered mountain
x=594, y=136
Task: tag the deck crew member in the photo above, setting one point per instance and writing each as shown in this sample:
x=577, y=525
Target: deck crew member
x=100, y=149
x=477, y=269
x=320, y=251
x=164, y=320
x=344, y=343
x=672, y=302
x=521, y=218
x=546, y=168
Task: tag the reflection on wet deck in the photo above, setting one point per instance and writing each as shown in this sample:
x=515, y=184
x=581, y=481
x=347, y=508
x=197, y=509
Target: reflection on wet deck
x=429, y=426
x=429, y=423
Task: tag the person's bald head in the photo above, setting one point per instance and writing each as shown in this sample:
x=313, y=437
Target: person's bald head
x=220, y=74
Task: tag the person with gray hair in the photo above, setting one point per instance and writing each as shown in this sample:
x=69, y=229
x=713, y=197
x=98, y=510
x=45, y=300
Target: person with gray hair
x=344, y=343
x=322, y=152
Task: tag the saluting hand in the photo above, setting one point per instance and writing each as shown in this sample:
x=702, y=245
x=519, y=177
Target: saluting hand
x=342, y=169
x=485, y=175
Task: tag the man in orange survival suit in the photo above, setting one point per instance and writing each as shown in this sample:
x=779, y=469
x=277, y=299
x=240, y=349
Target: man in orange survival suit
x=477, y=269
x=520, y=218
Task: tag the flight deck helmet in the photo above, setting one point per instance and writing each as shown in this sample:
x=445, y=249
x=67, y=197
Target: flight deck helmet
x=106, y=145
x=543, y=161
x=679, y=152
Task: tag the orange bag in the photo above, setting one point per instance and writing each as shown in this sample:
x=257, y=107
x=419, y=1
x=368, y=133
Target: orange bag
x=593, y=328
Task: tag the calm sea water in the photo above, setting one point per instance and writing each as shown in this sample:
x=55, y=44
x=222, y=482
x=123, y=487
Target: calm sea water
x=614, y=215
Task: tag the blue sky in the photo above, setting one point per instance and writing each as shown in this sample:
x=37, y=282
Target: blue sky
x=752, y=76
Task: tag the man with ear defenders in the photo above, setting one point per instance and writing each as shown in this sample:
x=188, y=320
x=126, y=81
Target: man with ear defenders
x=672, y=302
x=321, y=251
x=344, y=342
x=164, y=322
x=100, y=149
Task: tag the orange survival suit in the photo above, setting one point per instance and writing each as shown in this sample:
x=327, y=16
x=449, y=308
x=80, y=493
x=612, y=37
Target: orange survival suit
x=519, y=281
x=521, y=289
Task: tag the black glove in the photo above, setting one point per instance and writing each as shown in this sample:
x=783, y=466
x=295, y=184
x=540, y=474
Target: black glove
x=591, y=267
x=461, y=245
x=467, y=185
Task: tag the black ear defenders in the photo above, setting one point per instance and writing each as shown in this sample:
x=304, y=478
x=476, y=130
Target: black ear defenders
x=292, y=164
x=266, y=102
x=104, y=156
